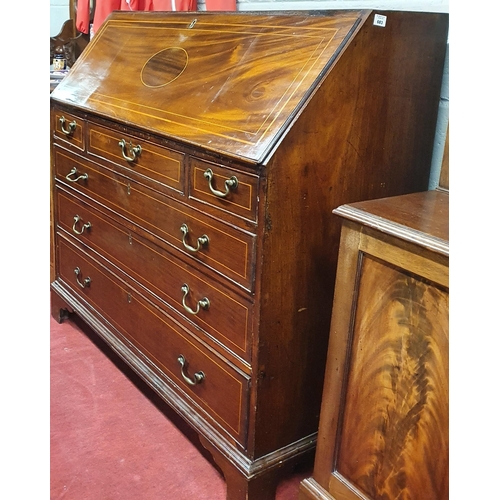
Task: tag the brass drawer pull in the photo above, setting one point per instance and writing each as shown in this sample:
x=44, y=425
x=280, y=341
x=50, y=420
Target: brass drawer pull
x=197, y=377
x=77, y=219
x=231, y=183
x=86, y=281
x=202, y=240
x=135, y=151
x=74, y=172
x=203, y=303
x=71, y=126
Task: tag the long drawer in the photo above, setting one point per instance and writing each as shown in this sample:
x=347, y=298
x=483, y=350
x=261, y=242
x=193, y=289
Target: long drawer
x=197, y=372
x=222, y=315
x=224, y=248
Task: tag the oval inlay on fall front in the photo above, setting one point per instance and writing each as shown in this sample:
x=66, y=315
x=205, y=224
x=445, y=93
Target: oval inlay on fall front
x=164, y=67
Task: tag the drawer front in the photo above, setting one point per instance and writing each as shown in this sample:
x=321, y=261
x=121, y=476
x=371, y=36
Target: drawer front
x=229, y=251
x=224, y=189
x=154, y=165
x=222, y=393
x=69, y=128
x=221, y=314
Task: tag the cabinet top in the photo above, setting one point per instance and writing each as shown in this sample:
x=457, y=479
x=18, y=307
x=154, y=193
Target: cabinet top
x=228, y=82
x=420, y=218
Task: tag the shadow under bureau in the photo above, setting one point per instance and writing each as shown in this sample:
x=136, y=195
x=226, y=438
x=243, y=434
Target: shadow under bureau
x=196, y=159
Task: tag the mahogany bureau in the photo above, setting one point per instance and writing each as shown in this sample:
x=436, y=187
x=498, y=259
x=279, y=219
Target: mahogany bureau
x=383, y=432
x=196, y=158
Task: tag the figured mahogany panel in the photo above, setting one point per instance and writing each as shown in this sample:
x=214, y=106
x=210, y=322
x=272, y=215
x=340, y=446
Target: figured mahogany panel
x=394, y=438
x=224, y=82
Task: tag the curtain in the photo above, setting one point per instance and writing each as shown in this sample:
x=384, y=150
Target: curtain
x=104, y=7
x=82, y=16
x=220, y=4
x=171, y=5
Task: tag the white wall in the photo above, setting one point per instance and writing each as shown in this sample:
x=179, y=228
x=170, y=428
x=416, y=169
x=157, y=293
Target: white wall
x=416, y=5
x=59, y=12
x=59, y=9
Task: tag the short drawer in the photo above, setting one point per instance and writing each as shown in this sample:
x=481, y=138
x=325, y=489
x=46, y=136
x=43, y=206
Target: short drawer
x=223, y=188
x=204, y=379
x=154, y=165
x=224, y=248
x=69, y=128
x=221, y=314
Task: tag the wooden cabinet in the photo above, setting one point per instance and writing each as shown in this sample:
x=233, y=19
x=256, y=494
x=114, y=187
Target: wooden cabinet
x=196, y=158
x=383, y=430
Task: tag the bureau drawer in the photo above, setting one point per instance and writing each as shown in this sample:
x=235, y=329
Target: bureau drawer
x=69, y=128
x=222, y=392
x=228, y=250
x=154, y=165
x=219, y=313
x=224, y=189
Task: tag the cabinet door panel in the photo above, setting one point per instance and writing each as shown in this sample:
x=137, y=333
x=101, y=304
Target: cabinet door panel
x=395, y=408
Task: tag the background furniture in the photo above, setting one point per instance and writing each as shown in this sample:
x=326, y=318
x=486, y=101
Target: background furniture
x=69, y=39
x=196, y=158
x=383, y=430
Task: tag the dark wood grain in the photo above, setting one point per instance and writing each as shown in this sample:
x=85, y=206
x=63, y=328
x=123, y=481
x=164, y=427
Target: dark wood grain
x=395, y=424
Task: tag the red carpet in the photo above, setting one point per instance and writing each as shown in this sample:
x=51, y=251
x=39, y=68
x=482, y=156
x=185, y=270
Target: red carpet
x=112, y=437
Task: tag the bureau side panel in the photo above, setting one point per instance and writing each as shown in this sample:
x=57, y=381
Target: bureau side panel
x=367, y=132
